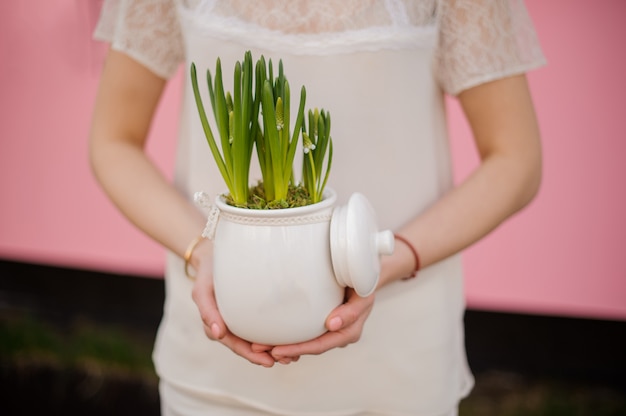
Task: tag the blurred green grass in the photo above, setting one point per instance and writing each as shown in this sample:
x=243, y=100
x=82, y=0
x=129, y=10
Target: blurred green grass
x=26, y=340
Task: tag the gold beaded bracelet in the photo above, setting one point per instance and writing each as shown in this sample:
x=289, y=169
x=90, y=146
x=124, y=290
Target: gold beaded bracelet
x=187, y=257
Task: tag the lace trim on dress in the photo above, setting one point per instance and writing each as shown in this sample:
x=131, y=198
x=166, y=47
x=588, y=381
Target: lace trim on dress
x=483, y=40
x=478, y=40
x=205, y=21
x=148, y=31
x=397, y=12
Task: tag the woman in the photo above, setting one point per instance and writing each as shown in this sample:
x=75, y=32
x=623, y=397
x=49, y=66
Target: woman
x=381, y=68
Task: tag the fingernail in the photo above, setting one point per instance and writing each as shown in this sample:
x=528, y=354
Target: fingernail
x=335, y=323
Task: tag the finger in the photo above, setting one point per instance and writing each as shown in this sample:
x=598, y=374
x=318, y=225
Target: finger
x=244, y=349
x=345, y=325
x=349, y=312
x=288, y=360
x=319, y=345
x=261, y=347
x=203, y=296
x=211, y=320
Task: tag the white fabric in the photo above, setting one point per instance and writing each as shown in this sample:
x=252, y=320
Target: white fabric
x=479, y=40
x=379, y=67
x=177, y=402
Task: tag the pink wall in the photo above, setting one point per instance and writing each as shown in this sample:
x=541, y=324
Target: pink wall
x=563, y=254
x=52, y=210
x=560, y=256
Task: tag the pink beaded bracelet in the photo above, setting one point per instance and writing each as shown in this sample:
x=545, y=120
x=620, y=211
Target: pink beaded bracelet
x=415, y=255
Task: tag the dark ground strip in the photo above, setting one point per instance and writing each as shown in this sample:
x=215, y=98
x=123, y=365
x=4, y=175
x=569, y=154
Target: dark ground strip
x=76, y=342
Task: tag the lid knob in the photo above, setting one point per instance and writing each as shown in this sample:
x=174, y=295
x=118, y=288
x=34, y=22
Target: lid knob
x=356, y=245
x=385, y=242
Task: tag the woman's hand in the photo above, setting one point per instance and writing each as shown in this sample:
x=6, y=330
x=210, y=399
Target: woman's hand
x=214, y=327
x=345, y=325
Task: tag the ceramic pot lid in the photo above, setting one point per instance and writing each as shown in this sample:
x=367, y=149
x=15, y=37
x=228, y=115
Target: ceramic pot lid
x=356, y=245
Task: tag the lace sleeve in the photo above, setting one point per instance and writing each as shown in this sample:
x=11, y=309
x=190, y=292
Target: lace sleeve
x=146, y=30
x=483, y=40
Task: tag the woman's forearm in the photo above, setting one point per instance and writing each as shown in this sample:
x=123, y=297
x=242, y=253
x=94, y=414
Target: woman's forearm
x=127, y=99
x=144, y=196
x=470, y=211
x=507, y=136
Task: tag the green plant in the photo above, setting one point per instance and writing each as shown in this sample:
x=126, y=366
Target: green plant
x=258, y=94
x=316, y=143
x=236, y=125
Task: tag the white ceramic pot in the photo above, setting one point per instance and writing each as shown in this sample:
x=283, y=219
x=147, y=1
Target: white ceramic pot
x=279, y=273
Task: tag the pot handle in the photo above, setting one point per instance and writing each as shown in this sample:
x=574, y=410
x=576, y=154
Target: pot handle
x=212, y=212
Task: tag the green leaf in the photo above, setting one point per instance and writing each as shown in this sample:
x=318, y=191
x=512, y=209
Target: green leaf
x=272, y=140
x=239, y=146
x=293, y=144
x=207, y=130
x=221, y=117
x=320, y=190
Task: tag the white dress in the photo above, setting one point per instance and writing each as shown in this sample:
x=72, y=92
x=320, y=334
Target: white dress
x=381, y=68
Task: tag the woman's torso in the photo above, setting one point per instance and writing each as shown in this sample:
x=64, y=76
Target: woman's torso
x=390, y=144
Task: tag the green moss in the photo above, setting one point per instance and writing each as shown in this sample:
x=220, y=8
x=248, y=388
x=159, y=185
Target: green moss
x=297, y=196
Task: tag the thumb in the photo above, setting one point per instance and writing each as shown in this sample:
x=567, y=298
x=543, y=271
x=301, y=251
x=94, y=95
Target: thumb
x=334, y=323
x=348, y=313
x=204, y=297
